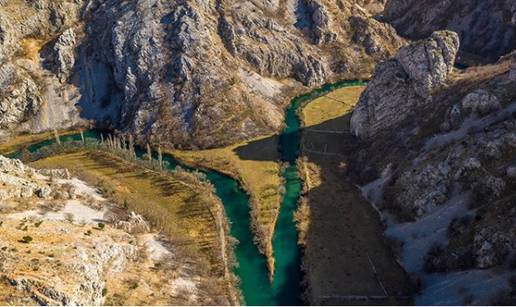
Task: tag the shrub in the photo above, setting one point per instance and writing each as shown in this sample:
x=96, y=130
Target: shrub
x=26, y=239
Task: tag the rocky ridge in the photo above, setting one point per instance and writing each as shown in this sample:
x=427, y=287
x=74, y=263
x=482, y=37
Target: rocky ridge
x=202, y=73
x=401, y=85
x=487, y=29
x=446, y=185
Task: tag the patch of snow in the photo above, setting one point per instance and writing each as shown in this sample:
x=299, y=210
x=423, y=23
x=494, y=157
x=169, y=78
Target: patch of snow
x=82, y=188
x=155, y=249
x=419, y=236
x=474, y=287
x=80, y=212
x=182, y=285
x=373, y=191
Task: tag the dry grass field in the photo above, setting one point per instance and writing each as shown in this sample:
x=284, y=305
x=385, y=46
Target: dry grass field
x=260, y=177
x=346, y=259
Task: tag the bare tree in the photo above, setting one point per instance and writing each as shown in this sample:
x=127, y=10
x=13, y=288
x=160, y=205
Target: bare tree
x=160, y=158
x=56, y=135
x=149, y=152
x=131, y=146
x=82, y=137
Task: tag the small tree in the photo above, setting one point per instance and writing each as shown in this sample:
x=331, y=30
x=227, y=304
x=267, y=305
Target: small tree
x=82, y=137
x=26, y=239
x=69, y=217
x=56, y=135
x=160, y=158
x=131, y=147
x=149, y=152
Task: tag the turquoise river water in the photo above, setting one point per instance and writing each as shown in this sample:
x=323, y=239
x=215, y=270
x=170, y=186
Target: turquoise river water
x=285, y=289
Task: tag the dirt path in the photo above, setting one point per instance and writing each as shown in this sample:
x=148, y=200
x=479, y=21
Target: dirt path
x=346, y=259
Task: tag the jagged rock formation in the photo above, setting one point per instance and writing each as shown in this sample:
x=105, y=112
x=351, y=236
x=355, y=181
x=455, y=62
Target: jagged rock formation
x=445, y=182
x=32, y=98
x=401, y=85
x=199, y=73
x=486, y=28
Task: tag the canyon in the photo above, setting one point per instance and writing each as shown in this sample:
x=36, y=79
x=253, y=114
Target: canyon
x=182, y=142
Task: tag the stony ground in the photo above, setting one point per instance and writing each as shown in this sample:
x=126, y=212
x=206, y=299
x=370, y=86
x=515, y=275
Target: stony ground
x=435, y=152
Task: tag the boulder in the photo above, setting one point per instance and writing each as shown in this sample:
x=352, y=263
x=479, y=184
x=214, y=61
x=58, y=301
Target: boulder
x=511, y=172
x=481, y=102
x=429, y=62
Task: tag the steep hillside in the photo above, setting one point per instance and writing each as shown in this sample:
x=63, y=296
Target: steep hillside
x=487, y=28
x=446, y=183
x=64, y=243
x=196, y=73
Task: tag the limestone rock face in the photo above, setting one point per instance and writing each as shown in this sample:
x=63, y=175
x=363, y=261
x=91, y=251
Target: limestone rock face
x=428, y=62
x=54, y=252
x=485, y=27
x=64, y=50
x=449, y=195
x=399, y=86
x=19, y=100
x=178, y=72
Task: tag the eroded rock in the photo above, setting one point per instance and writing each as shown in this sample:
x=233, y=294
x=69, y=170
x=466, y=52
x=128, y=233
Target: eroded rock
x=402, y=85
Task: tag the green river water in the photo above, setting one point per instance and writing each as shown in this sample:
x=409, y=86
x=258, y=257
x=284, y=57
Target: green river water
x=256, y=288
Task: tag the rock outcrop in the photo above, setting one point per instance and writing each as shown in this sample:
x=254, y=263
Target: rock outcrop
x=486, y=28
x=402, y=85
x=444, y=142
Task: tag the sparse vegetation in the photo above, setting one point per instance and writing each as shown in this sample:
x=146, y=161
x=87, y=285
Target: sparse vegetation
x=179, y=203
x=26, y=239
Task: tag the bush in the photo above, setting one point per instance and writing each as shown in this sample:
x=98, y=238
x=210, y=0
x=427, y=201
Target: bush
x=26, y=240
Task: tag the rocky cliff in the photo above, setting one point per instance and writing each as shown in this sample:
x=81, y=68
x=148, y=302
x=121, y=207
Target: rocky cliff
x=446, y=184
x=404, y=84
x=196, y=73
x=487, y=28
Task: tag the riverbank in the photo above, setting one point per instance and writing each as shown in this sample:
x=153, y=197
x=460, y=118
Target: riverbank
x=258, y=172
x=346, y=259
x=21, y=141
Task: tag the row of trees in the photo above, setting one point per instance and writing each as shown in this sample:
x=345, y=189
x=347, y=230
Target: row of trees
x=125, y=147
x=119, y=144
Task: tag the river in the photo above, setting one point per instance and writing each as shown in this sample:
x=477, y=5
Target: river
x=256, y=288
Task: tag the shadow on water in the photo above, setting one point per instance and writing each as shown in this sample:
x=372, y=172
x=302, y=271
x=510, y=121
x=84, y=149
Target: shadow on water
x=344, y=232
